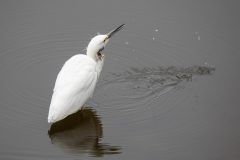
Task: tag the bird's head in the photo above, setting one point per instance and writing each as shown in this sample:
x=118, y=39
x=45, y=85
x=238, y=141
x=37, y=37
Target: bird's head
x=98, y=43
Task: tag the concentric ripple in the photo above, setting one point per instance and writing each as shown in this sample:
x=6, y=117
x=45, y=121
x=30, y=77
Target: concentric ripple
x=28, y=72
x=133, y=80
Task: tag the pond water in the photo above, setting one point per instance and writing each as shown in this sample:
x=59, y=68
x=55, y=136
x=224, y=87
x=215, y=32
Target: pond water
x=168, y=90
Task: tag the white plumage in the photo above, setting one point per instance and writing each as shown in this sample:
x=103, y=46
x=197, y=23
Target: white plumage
x=77, y=79
x=74, y=85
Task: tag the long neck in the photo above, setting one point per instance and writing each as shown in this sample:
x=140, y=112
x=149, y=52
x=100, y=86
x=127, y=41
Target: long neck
x=99, y=63
x=99, y=66
x=91, y=53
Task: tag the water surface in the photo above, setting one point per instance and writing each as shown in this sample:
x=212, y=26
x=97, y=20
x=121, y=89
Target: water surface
x=168, y=89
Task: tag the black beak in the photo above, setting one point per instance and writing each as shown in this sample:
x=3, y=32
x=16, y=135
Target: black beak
x=111, y=33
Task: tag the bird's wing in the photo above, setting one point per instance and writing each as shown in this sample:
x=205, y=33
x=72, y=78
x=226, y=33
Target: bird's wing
x=74, y=85
x=78, y=68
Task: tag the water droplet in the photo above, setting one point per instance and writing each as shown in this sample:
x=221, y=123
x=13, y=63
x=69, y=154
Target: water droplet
x=127, y=43
x=196, y=36
x=153, y=38
x=156, y=30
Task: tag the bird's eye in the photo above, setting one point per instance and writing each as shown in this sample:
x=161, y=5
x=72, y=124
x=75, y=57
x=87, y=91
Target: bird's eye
x=105, y=40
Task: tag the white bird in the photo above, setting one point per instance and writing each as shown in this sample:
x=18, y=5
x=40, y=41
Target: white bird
x=77, y=79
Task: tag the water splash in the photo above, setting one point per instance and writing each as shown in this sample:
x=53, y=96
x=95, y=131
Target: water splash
x=197, y=36
x=160, y=76
x=132, y=91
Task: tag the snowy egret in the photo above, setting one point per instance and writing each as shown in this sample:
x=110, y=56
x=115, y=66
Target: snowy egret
x=77, y=79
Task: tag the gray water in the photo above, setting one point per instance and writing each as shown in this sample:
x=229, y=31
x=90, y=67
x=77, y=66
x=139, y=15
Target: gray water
x=168, y=89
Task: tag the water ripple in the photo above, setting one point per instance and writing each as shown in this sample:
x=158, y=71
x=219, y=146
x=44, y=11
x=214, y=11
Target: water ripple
x=132, y=78
x=132, y=91
x=28, y=71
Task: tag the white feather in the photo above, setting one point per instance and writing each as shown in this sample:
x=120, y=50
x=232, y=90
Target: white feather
x=77, y=79
x=74, y=85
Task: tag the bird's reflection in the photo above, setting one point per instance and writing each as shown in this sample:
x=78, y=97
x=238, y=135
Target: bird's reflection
x=81, y=133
